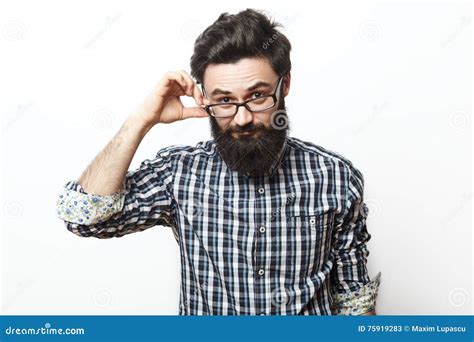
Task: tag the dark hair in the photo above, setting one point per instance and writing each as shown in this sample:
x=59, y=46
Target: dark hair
x=246, y=34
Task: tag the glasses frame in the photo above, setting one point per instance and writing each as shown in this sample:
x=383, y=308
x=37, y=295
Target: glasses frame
x=245, y=103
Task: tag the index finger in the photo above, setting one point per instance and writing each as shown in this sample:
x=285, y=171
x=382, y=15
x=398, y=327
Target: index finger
x=195, y=93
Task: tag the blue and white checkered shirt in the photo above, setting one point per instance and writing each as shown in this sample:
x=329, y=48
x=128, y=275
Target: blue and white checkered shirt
x=291, y=242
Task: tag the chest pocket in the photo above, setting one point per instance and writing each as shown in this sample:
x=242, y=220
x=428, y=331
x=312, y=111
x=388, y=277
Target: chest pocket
x=307, y=237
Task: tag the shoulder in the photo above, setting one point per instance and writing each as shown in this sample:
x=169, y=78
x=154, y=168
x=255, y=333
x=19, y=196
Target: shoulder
x=337, y=167
x=326, y=157
x=172, y=153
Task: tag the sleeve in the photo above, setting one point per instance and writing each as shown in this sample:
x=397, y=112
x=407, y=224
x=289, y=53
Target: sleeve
x=352, y=290
x=145, y=200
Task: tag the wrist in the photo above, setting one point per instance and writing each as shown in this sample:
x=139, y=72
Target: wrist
x=136, y=122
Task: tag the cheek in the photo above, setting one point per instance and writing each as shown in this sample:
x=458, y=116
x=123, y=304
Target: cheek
x=224, y=123
x=262, y=119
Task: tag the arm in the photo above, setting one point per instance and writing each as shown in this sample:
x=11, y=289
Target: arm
x=146, y=200
x=109, y=201
x=105, y=175
x=352, y=290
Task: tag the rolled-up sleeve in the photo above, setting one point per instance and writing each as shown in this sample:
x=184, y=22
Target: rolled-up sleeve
x=353, y=292
x=144, y=201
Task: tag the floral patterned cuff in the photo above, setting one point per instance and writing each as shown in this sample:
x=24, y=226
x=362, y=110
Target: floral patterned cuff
x=76, y=206
x=358, y=302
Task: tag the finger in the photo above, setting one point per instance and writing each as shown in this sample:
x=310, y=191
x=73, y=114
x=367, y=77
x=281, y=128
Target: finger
x=175, y=78
x=198, y=97
x=195, y=92
x=182, y=87
x=189, y=82
x=194, y=112
x=183, y=83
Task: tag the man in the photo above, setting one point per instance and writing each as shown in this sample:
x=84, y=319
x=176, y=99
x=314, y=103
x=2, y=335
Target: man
x=267, y=224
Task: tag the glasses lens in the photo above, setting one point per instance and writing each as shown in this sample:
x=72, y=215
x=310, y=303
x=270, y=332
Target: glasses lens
x=255, y=105
x=261, y=103
x=223, y=110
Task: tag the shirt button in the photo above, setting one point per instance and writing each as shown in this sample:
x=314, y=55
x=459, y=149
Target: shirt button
x=261, y=271
x=312, y=220
x=261, y=190
x=262, y=229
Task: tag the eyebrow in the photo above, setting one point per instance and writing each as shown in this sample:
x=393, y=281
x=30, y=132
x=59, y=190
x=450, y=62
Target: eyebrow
x=257, y=85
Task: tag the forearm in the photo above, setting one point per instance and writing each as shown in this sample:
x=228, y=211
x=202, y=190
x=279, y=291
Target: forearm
x=106, y=173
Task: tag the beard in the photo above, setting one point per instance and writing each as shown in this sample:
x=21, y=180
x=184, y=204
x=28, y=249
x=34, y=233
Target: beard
x=254, y=154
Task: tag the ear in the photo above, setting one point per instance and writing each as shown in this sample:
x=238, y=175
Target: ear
x=286, y=84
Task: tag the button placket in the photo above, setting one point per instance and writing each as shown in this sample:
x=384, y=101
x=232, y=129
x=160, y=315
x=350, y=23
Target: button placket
x=260, y=257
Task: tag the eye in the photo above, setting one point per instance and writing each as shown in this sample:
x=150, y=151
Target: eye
x=224, y=99
x=257, y=94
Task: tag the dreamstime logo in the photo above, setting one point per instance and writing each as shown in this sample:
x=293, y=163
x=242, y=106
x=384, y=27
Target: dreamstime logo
x=369, y=31
x=109, y=21
x=273, y=240
x=465, y=199
x=377, y=111
x=13, y=209
x=266, y=44
x=190, y=29
x=14, y=30
x=46, y=330
x=465, y=21
x=192, y=208
x=280, y=297
x=279, y=119
x=195, y=295
x=372, y=207
x=20, y=111
x=21, y=286
x=102, y=119
x=459, y=120
x=103, y=297
x=458, y=297
x=289, y=200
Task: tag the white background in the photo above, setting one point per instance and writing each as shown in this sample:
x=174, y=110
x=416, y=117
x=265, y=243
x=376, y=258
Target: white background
x=388, y=85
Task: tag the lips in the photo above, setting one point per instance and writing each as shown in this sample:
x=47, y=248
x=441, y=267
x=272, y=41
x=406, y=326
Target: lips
x=244, y=134
x=253, y=133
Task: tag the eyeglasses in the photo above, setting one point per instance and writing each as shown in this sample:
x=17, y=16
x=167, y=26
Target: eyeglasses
x=259, y=104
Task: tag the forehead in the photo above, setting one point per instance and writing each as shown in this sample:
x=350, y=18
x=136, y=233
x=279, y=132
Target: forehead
x=237, y=77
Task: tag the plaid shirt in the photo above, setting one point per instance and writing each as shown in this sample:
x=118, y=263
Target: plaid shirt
x=292, y=242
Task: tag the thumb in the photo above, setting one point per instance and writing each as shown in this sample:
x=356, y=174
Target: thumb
x=194, y=112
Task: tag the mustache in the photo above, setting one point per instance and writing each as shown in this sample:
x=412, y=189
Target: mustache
x=246, y=129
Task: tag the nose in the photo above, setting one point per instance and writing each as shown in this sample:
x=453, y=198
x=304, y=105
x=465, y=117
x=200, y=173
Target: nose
x=243, y=116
